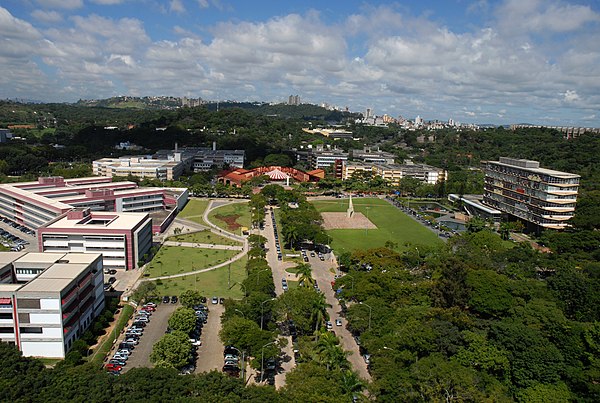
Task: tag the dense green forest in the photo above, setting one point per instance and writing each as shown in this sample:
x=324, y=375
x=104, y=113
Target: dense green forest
x=480, y=319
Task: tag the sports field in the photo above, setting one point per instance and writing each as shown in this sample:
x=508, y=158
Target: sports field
x=392, y=225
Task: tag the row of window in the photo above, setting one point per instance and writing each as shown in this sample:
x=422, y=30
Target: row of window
x=23, y=330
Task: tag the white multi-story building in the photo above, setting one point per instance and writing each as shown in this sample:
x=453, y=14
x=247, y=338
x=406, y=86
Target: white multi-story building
x=394, y=173
x=544, y=198
x=141, y=167
x=122, y=239
x=48, y=300
x=36, y=203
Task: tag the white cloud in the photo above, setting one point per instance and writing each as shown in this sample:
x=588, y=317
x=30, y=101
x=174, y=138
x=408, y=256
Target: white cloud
x=66, y=4
x=376, y=57
x=571, y=96
x=108, y=2
x=176, y=6
x=522, y=16
x=49, y=17
x=203, y=3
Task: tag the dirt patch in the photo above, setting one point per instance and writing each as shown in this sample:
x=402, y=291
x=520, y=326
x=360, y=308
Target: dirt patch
x=230, y=220
x=341, y=221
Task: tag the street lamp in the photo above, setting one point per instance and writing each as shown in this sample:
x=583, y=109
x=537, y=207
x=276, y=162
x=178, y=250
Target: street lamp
x=243, y=353
x=241, y=285
x=262, y=311
x=262, y=360
x=258, y=275
x=352, y=277
x=243, y=314
x=370, y=309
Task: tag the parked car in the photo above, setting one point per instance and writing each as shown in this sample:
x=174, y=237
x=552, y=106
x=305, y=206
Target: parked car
x=111, y=280
x=215, y=300
x=329, y=325
x=121, y=363
x=221, y=300
x=166, y=299
x=132, y=340
x=338, y=322
x=113, y=367
x=174, y=299
x=150, y=304
x=196, y=342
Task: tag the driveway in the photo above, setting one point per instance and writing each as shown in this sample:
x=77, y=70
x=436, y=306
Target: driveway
x=210, y=353
x=152, y=332
x=324, y=277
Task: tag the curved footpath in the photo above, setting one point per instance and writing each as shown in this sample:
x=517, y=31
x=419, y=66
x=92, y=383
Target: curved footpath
x=215, y=229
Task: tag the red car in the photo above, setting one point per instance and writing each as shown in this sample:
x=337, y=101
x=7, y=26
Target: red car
x=113, y=367
x=148, y=309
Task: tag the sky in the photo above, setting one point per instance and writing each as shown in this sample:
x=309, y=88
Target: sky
x=475, y=61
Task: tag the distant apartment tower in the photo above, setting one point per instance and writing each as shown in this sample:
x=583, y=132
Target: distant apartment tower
x=369, y=113
x=543, y=198
x=294, y=100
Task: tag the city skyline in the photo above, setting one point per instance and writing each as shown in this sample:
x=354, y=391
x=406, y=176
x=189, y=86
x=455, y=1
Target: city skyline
x=480, y=61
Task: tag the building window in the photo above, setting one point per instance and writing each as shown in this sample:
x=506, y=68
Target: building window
x=7, y=330
x=28, y=303
x=23, y=318
x=6, y=315
x=31, y=330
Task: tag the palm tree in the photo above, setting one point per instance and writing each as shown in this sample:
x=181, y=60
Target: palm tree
x=329, y=351
x=351, y=382
x=319, y=310
x=304, y=274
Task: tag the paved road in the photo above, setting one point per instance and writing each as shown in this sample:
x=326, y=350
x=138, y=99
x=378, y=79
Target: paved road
x=324, y=277
x=152, y=332
x=210, y=353
x=278, y=271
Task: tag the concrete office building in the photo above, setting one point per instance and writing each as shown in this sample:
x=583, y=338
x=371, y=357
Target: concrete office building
x=394, y=173
x=141, y=167
x=48, y=300
x=36, y=203
x=543, y=198
x=122, y=238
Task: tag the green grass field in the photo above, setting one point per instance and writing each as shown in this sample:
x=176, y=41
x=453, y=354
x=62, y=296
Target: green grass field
x=205, y=236
x=392, y=225
x=210, y=283
x=231, y=217
x=194, y=209
x=176, y=260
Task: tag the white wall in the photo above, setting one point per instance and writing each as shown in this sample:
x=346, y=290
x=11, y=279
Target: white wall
x=51, y=349
x=45, y=318
x=50, y=303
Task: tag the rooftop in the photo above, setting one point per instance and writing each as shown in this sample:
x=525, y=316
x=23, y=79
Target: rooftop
x=96, y=219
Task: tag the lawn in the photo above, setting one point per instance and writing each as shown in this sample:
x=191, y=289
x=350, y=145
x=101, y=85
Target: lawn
x=231, y=217
x=211, y=283
x=205, y=236
x=194, y=209
x=392, y=225
x=176, y=260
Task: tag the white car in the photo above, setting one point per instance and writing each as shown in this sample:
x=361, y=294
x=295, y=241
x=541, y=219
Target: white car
x=329, y=325
x=120, y=357
x=338, y=322
x=215, y=300
x=196, y=342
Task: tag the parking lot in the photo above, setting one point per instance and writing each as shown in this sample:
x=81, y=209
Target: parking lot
x=152, y=332
x=25, y=237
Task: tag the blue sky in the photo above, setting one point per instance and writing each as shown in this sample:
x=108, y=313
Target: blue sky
x=481, y=61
